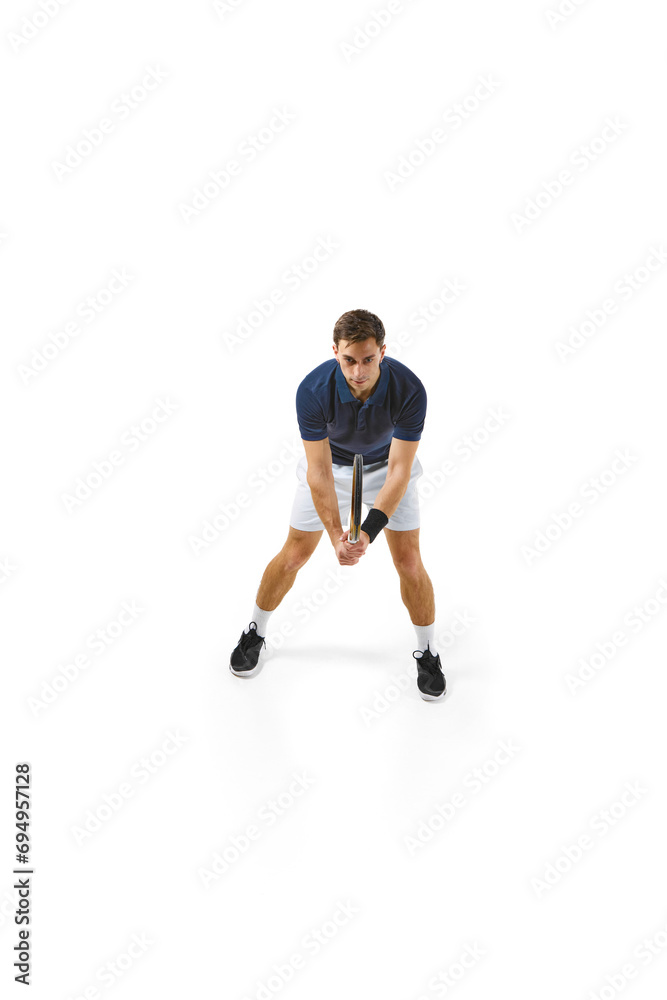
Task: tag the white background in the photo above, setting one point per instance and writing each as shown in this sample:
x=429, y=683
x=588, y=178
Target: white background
x=337, y=700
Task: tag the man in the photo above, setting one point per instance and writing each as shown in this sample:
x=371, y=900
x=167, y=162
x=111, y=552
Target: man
x=356, y=403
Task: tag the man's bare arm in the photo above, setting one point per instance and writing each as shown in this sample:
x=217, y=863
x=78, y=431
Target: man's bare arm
x=321, y=481
x=401, y=457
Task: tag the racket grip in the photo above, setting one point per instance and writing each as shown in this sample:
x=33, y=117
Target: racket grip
x=355, y=513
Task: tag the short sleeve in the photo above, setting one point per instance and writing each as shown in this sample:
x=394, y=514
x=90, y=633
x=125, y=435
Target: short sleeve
x=410, y=423
x=309, y=415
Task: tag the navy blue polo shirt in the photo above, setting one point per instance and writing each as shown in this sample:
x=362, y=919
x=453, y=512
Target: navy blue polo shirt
x=325, y=407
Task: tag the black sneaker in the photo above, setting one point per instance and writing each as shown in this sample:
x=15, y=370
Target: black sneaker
x=430, y=678
x=243, y=661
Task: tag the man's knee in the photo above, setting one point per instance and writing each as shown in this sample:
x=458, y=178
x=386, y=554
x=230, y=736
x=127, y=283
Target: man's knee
x=406, y=556
x=409, y=564
x=297, y=553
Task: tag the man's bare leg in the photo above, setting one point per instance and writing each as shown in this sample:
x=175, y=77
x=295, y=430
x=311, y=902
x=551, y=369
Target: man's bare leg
x=280, y=574
x=417, y=594
x=278, y=577
x=416, y=587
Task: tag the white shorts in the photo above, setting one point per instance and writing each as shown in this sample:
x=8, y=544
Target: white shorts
x=405, y=517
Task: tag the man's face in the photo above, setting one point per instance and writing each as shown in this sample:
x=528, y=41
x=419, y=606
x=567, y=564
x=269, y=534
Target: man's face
x=360, y=363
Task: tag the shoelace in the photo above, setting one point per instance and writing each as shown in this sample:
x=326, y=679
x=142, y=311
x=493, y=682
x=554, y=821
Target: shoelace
x=246, y=637
x=431, y=664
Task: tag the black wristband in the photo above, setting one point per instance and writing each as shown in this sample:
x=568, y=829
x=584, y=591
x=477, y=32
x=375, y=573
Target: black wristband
x=374, y=523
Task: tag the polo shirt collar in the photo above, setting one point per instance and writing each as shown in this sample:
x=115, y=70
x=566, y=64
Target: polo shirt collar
x=345, y=395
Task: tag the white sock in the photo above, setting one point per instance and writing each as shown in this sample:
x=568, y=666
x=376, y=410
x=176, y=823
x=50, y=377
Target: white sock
x=425, y=637
x=262, y=620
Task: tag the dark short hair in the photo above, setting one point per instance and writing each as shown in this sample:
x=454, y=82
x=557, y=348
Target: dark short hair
x=358, y=325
